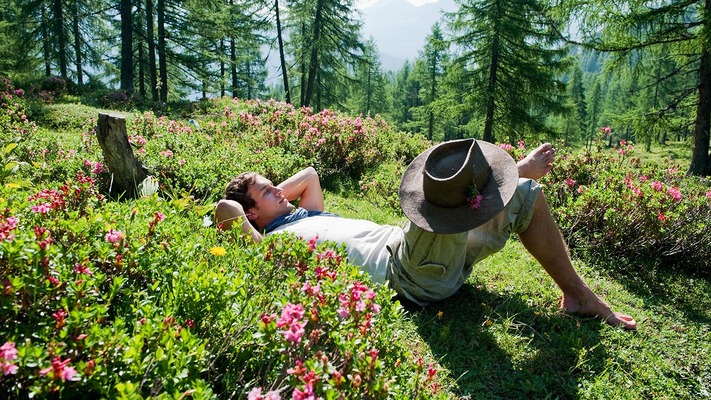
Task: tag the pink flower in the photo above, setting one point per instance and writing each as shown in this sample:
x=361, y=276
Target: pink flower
x=8, y=352
x=6, y=228
x=521, y=145
x=114, y=236
x=166, y=153
x=606, y=130
x=708, y=195
x=675, y=193
x=506, y=146
x=43, y=208
x=657, y=186
x=8, y=368
x=294, y=333
x=158, y=216
x=662, y=217
x=255, y=394
x=82, y=269
x=570, y=182
x=60, y=370
x=475, y=202
x=582, y=189
x=342, y=312
x=81, y=337
x=289, y=313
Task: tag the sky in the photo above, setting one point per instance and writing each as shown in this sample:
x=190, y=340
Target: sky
x=365, y=3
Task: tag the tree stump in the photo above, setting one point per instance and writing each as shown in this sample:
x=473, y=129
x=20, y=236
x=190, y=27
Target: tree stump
x=126, y=171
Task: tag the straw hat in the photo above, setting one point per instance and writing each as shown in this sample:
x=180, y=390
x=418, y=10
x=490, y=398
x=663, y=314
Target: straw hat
x=439, y=191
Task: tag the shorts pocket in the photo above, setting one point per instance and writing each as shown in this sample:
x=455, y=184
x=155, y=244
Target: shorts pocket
x=431, y=270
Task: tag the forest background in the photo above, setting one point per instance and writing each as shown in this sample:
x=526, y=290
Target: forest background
x=496, y=70
x=143, y=298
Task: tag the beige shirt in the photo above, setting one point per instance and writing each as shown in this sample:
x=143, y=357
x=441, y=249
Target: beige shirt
x=365, y=240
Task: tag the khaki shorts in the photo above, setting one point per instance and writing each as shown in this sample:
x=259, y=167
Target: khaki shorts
x=428, y=266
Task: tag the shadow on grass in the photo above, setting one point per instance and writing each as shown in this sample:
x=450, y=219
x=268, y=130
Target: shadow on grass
x=661, y=285
x=496, y=345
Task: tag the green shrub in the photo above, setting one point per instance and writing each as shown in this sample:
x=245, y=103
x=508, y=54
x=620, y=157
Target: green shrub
x=615, y=204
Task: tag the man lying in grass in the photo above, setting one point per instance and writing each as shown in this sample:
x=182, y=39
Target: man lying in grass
x=463, y=199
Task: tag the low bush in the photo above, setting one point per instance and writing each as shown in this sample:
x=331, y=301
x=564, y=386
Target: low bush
x=136, y=298
x=610, y=202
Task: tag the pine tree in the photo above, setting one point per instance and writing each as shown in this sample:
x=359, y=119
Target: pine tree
x=325, y=36
x=681, y=28
x=513, y=59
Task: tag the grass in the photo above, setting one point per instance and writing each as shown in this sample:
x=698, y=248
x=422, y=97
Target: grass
x=504, y=336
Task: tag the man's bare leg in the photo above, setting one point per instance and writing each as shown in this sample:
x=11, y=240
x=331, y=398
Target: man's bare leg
x=537, y=163
x=544, y=241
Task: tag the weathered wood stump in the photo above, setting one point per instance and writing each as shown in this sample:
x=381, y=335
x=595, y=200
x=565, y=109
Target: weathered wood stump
x=126, y=171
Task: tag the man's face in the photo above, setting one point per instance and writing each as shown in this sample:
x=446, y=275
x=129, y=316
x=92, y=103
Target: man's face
x=269, y=200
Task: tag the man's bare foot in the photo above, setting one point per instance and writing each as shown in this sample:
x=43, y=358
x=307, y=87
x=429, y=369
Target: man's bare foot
x=600, y=309
x=537, y=163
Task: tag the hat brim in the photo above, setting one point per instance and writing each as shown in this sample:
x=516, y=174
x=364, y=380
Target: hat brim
x=496, y=194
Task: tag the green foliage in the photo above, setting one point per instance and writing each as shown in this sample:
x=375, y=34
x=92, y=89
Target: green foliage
x=513, y=58
x=615, y=204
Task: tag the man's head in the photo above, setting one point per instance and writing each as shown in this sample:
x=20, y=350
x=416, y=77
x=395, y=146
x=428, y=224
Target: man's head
x=261, y=200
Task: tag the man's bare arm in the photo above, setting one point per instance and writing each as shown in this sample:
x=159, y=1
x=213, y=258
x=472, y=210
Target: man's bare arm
x=229, y=212
x=305, y=186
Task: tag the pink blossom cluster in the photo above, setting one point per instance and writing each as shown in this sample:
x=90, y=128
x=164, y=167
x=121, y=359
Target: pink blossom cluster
x=157, y=217
x=166, y=153
x=290, y=319
x=60, y=369
x=606, y=130
x=95, y=167
x=137, y=140
x=357, y=301
x=114, y=236
x=7, y=225
x=52, y=199
x=256, y=394
x=8, y=354
x=44, y=237
x=308, y=377
x=475, y=202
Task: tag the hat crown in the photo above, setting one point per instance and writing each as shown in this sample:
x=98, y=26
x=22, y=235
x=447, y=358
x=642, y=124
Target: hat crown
x=451, y=172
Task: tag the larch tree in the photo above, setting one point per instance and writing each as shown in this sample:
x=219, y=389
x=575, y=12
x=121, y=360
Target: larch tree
x=513, y=60
x=683, y=28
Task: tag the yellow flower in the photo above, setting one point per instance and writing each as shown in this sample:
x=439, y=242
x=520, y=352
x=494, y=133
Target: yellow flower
x=440, y=314
x=218, y=251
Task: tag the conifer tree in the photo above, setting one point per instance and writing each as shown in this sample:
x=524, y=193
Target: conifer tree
x=513, y=60
x=683, y=28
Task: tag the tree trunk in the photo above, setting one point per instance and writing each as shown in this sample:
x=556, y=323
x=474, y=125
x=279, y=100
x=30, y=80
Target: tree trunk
x=126, y=171
x=77, y=45
x=700, y=164
x=46, y=41
x=162, y=62
x=222, y=68
x=491, y=101
x=282, y=59
x=126, y=47
x=313, y=60
x=141, y=53
x=152, y=68
x=233, y=66
x=302, y=93
x=58, y=14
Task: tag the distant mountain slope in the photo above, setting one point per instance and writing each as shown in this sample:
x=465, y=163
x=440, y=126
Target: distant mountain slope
x=400, y=28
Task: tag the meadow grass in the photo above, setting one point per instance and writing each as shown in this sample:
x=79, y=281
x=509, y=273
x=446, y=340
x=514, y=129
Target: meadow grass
x=504, y=336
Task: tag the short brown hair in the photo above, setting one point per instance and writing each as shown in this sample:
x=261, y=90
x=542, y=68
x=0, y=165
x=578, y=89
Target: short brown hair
x=237, y=189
